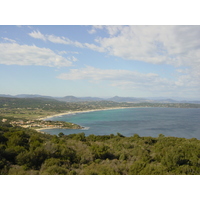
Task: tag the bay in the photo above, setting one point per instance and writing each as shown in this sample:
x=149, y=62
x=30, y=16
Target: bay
x=177, y=122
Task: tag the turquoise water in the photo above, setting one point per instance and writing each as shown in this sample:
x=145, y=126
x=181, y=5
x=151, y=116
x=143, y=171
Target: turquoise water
x=177, y=122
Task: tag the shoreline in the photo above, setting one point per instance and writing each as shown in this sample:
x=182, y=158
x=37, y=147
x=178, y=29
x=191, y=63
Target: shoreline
x=82, y=111
x=46, y=128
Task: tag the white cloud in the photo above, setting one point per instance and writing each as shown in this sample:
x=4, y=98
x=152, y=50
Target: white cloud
x=119, y=78
x=136, y=81
x=93, y=47
x=72, y=58
x=175, y=45
x=15, y=54
x=9, y=40
x=114, y=30
x=74, y=52
x=62, y=52
x=37, y=35
x=189, y=78
x=106, y=74
x=64, y=40
x=55, y=39
x=93, y=29
x=67, y=52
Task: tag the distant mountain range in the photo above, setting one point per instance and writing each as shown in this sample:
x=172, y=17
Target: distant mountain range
x=26, y=96
x=115, y=99
x=127, y=99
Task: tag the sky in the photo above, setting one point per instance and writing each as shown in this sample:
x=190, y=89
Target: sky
x=101, y=60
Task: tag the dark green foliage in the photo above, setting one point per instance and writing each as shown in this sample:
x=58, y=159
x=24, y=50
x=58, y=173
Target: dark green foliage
x=54, y=166
x=80, y=137
x=35, y=141
x=60, y=134
x=32, y=159
x=3, y=139
x=18, y=138
x=101, y=151
x=137, y=167
x=120, y=135
x=25, y=151
x=95, y=138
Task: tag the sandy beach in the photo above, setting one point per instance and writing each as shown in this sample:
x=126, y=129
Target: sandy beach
x=45, y=128
x=82, y=111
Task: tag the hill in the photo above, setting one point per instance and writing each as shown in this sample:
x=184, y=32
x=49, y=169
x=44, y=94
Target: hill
x=114, y=99
x=27, y=152
x=126, y=99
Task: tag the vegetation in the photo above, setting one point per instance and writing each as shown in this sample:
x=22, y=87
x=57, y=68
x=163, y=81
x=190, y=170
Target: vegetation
x=25, y=151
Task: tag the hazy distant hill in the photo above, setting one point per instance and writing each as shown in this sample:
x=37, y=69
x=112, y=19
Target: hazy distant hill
x=166, y=101
x=126, y=99
x=6, y=95
x=79, y=99
x=37, y=102
x=114, y=99
x=32, y=96
x=196, y=102
x=26, y=96
x=92, y=99
x=69, y=99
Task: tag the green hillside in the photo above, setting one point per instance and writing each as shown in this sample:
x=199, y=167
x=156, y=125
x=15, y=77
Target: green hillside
x=25, y=151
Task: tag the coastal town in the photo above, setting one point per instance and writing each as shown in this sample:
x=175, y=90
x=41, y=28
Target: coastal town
x=40, y=124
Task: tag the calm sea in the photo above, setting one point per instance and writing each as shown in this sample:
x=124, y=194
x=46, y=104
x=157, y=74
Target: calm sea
x=177, y=122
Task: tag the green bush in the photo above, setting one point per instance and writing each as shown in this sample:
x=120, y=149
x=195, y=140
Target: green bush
x=25, y=151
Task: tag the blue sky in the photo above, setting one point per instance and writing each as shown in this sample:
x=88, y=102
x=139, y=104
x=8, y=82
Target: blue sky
x=101, y=61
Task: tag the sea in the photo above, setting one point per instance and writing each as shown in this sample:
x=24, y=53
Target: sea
x=176, y=122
